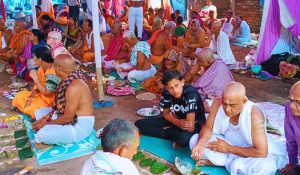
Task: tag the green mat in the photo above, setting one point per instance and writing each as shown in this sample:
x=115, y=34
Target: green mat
x=163, y=149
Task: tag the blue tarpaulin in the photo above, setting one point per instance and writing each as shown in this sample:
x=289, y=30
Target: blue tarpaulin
x=180, y=5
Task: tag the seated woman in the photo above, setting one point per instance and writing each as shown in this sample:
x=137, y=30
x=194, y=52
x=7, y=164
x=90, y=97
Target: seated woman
x=186, y=118
x=29, y=101
x=62, y=16
x=172, y=62
x=35, y=40
x=72, y=32
x=194, y=38
x=48, y=24
x=179, y=31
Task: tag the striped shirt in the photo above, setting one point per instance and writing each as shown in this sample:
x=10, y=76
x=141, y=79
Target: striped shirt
x=214, y=80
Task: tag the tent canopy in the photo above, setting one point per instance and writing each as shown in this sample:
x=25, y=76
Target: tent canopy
x=280, y=29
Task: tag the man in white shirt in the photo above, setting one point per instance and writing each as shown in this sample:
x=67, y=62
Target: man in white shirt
x=74, y=8
x=120, y=141
x=209, y=7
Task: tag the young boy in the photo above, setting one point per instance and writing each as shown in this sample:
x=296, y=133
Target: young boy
x=183, y=112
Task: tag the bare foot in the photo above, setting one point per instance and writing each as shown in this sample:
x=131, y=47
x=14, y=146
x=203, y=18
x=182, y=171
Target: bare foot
x=204, y=162
x=176, y=146
x=41, y=146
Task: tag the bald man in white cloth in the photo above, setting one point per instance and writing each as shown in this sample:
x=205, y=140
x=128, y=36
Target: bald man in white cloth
x=234, y=136
x=218, y=41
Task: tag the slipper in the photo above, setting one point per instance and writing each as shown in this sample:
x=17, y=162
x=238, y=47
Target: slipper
x=102, y=104
x=263, y=76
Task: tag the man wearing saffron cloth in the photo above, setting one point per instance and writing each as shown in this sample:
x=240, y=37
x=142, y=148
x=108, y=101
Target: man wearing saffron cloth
x=292, y=129
x=218, y=41
x=71, y=119
x=234, y=136
x=88, y=53
x=17, y=43
x=117, y=49
x=214, y=76
x=161, y=42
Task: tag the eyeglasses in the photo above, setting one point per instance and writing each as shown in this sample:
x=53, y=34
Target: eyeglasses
x=296, y=102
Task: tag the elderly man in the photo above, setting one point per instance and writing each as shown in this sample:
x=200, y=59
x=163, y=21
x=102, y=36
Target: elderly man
x=73, y=111
x=292, y=129
x=54, y=41
x=234, y=135
x=117, y=49
x=140, y=67
x=120, y=141
x=214, y=75
x=186, y=117
x=5, y=36
x=158, y=20
x=161, y=42
x=209, y=6
x=17, y=43
x=242, y=31
x=218, y=41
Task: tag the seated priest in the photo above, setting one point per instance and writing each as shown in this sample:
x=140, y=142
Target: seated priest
x=234, y=135
x=218, y=41
x=161, y=42
x=183, y=112
x=72, y=113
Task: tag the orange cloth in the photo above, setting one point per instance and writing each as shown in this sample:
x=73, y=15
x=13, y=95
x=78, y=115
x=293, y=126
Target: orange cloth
x=17, y=40
x=1, y=39
x=154, y=59
x=88, y=56
x=155, y=35
x=150, y=84
x=39, y=18
x=39, y=100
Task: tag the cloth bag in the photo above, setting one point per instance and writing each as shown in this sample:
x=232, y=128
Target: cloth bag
x=287, y=70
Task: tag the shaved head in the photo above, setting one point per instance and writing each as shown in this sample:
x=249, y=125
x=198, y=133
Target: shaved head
x=117, y=24
x=65, y=61
x=294, y=99
x=206, y=54
x=233, y=99
x=216, y=24
x=234, y=90
x=295, y=90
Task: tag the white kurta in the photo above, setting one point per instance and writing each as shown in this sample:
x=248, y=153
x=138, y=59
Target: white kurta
x=222, y=48
x=103, y=163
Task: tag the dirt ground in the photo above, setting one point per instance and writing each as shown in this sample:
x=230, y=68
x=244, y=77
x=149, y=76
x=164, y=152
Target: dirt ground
x=125, y=107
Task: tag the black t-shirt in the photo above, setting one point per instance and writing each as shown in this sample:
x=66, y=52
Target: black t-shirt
x=190, y=102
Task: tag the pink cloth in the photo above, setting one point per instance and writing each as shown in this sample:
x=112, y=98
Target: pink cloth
x=294, y=6
x=214, y=79
x=117, y=7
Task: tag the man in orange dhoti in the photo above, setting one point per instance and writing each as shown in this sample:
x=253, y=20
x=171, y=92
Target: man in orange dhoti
x=88, y=53
x=29, y=101
x=159, y=46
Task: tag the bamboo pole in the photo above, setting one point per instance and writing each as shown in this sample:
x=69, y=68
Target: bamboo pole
x=96, y=30
x=34, y=20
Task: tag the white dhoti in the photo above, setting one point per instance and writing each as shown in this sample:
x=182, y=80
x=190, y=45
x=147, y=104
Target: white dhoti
x=138, y=76
x=237, y=165
x=237, y=135
x=63, y=134
x=136, y=18
x=221, y=47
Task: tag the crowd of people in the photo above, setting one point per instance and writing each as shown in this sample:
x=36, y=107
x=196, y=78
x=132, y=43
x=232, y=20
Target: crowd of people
x=187, y=64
